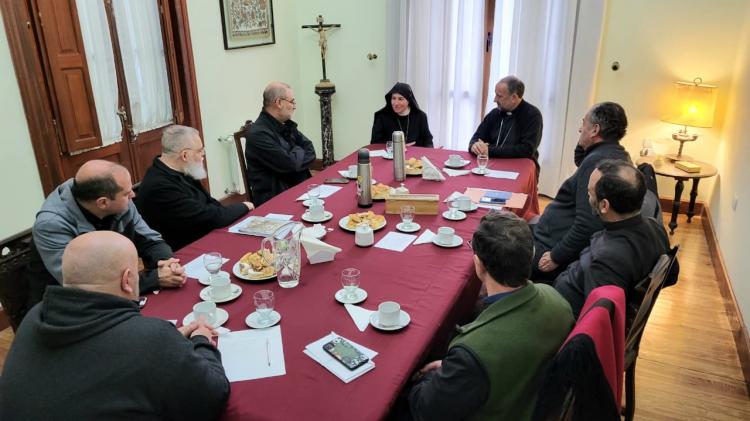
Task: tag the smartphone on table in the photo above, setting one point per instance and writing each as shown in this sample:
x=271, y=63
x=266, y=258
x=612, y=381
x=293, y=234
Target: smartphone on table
x=345, y=353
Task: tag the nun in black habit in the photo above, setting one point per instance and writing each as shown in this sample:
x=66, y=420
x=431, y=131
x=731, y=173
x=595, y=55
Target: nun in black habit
x=401, y=113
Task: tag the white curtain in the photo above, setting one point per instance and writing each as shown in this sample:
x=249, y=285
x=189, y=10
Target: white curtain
x=101, y=63
x=441, y=58
x=141, y=44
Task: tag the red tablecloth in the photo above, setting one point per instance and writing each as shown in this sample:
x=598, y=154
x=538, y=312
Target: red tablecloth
x=434, y=285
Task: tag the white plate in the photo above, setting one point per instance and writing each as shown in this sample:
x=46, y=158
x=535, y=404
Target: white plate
x=341, y=296
x=204, y=281
x=460, y=216
x=236, y=290
x=403, y=320
x=463, y=163
x=306, y=203
x=237, y=273
x=326, y=217
x=253, y=318
x=221, y=317
x=472, y=208
x=477, y=171
x=413, y=227
x=457, y=241
x=345, y=220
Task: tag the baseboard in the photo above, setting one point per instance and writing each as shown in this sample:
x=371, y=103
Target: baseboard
x=666, y=206
x=736, y=322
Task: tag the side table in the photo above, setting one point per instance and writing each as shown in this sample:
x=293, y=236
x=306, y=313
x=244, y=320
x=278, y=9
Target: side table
x=665, y=167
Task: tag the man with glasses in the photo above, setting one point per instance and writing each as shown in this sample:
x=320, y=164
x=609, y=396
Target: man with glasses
x=278, y=155
x=171, y=197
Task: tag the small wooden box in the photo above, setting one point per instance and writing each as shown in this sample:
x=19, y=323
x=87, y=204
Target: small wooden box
x=688, y=166
x=424, y=204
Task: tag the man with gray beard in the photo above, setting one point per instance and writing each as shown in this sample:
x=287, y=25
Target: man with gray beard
x=171, y=197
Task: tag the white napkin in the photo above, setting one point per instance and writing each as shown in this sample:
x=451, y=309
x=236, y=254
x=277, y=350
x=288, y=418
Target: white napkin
x=379, y=152
x=195, y=268
x=452, y=196
x=395, y=241
x=325, y=191
x=318, y=251
x=425, y=237
x=430, y=171
x=510, y=175
x=344, y=173
x=315, y=351
x=455, y=173
x=361, y=316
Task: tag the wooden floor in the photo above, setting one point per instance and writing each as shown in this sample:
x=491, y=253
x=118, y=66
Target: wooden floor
x=688, y=367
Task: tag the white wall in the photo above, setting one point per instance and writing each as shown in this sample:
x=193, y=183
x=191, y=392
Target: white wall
x=20, y=185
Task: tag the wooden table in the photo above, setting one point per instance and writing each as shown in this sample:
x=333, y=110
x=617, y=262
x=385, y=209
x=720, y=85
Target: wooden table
x=665, y=167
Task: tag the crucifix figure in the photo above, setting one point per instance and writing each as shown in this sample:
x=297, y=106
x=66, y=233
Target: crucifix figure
x=321, y=29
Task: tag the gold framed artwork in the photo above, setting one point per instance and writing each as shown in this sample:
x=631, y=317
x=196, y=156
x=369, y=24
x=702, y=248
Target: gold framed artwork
x=247, y=23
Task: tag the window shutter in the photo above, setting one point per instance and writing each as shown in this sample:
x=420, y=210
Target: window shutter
x=63, y=46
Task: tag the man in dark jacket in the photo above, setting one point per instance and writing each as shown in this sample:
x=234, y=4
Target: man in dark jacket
x=628, y=247
x=278, y=155
x=85, y=352
x=513, y=129
x=565, y=227
x=171, y=197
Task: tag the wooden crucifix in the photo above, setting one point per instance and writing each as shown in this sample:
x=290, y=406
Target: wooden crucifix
x=321, y=29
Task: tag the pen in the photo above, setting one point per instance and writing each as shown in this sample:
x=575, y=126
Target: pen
x=268, y=356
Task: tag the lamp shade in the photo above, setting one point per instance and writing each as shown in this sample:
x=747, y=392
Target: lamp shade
x=691, y=104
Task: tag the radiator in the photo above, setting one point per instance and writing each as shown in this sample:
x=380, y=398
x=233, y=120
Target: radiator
x=235, y=177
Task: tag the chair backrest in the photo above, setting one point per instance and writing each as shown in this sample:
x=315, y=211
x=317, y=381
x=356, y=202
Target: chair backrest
x=240, y=147
x=640, y=310
x=651, y=206
x=15, y=254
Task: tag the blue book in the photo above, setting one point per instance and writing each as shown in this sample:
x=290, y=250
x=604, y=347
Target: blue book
x=495, y=196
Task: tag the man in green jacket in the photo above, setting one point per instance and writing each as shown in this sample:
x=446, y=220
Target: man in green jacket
x=493, y=366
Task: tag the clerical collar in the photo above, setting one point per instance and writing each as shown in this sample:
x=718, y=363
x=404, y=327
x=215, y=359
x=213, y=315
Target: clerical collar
x=405, y=113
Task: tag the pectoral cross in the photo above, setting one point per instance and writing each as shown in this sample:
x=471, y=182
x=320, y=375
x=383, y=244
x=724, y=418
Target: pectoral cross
x=321, y=29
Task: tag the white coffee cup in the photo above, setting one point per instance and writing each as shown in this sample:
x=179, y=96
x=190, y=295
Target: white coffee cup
x=316, y=211
x=388, y=313
x=221, y=286
x=205, y=310
x=445, y=235
x=455, y=159
x=352, y=171
x=464, y=203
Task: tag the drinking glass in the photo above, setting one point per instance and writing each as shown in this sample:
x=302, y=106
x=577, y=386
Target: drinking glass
x=482, y=160
x=350, y=282
x=407, y=215
x=212, y=262
x=454, y=207
x=263, y=300
x=389, y=147
x=313, y=193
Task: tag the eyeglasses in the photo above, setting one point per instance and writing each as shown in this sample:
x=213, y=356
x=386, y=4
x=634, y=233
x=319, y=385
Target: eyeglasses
x=291, y=101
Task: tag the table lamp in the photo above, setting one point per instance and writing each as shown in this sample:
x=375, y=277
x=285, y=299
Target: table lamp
x=689, y=104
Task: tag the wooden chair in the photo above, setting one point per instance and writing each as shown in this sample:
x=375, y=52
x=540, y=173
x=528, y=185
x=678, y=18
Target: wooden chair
x=14, y=288
x=638, y=313
x=240, y=147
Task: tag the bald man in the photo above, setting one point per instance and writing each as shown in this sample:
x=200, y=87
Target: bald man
x=97, y=199
x=278, y=155
x=86, y=352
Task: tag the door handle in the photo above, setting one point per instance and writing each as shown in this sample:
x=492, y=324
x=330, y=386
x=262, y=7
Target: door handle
x=123, y=114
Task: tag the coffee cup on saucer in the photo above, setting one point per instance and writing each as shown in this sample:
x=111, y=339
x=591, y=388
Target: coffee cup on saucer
x=388, y=313
x=316, y=211
x=445, y=235
x=206, y=311
x=221, y=287
x=455, y=159
x=464, y=203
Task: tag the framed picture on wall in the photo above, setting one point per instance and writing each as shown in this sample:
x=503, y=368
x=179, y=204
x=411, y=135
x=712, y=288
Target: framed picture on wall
x=247, y=23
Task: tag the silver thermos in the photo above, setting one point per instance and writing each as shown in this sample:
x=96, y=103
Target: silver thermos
x=364, y=179
x=399, y=158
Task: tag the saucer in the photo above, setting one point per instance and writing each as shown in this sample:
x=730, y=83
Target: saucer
x=236, y=290
x=204, y=281
x=459, y=216
x=221, y=317
x=472, y=208
x=306, y=203
x=477, y=171
x=252, y=320
x=314, y=232
x=403, y=321
x=457, y=241
x=413, y=227
x=463, y=163
x=326, y=217
x=341, y=296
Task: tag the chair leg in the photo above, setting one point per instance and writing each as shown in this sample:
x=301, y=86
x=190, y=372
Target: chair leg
x=630, y=392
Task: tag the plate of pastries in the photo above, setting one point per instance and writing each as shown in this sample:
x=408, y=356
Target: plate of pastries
x=413, y=166
x=380, y=191
x=350, y=222
x=254, y=267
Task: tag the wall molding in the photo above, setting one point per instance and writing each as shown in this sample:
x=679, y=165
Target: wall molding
x=736, y=322
x=666, y=206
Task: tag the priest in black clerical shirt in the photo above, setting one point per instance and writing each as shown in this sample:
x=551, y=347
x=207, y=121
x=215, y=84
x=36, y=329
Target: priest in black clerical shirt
x=513, y=129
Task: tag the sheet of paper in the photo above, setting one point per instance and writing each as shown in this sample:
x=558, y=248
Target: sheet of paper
x=378, y=152
x=325, y=191
x=360, y=316
x=425, y=237
x=279, y=216
x=252, y=354
x=510, y=175
x=316, y=352
x=195, y=268
x=235, y=229
x=455, y=173
x=395, y=241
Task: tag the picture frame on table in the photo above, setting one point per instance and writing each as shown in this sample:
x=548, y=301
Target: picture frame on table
x=247, y=23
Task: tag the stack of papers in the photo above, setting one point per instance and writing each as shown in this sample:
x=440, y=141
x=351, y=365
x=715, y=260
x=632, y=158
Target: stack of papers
x=316, y=352
x=252, y=354
x=510, y=175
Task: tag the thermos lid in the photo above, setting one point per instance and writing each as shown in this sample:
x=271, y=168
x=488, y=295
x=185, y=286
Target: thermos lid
x=363, y=156
x=397, y=136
